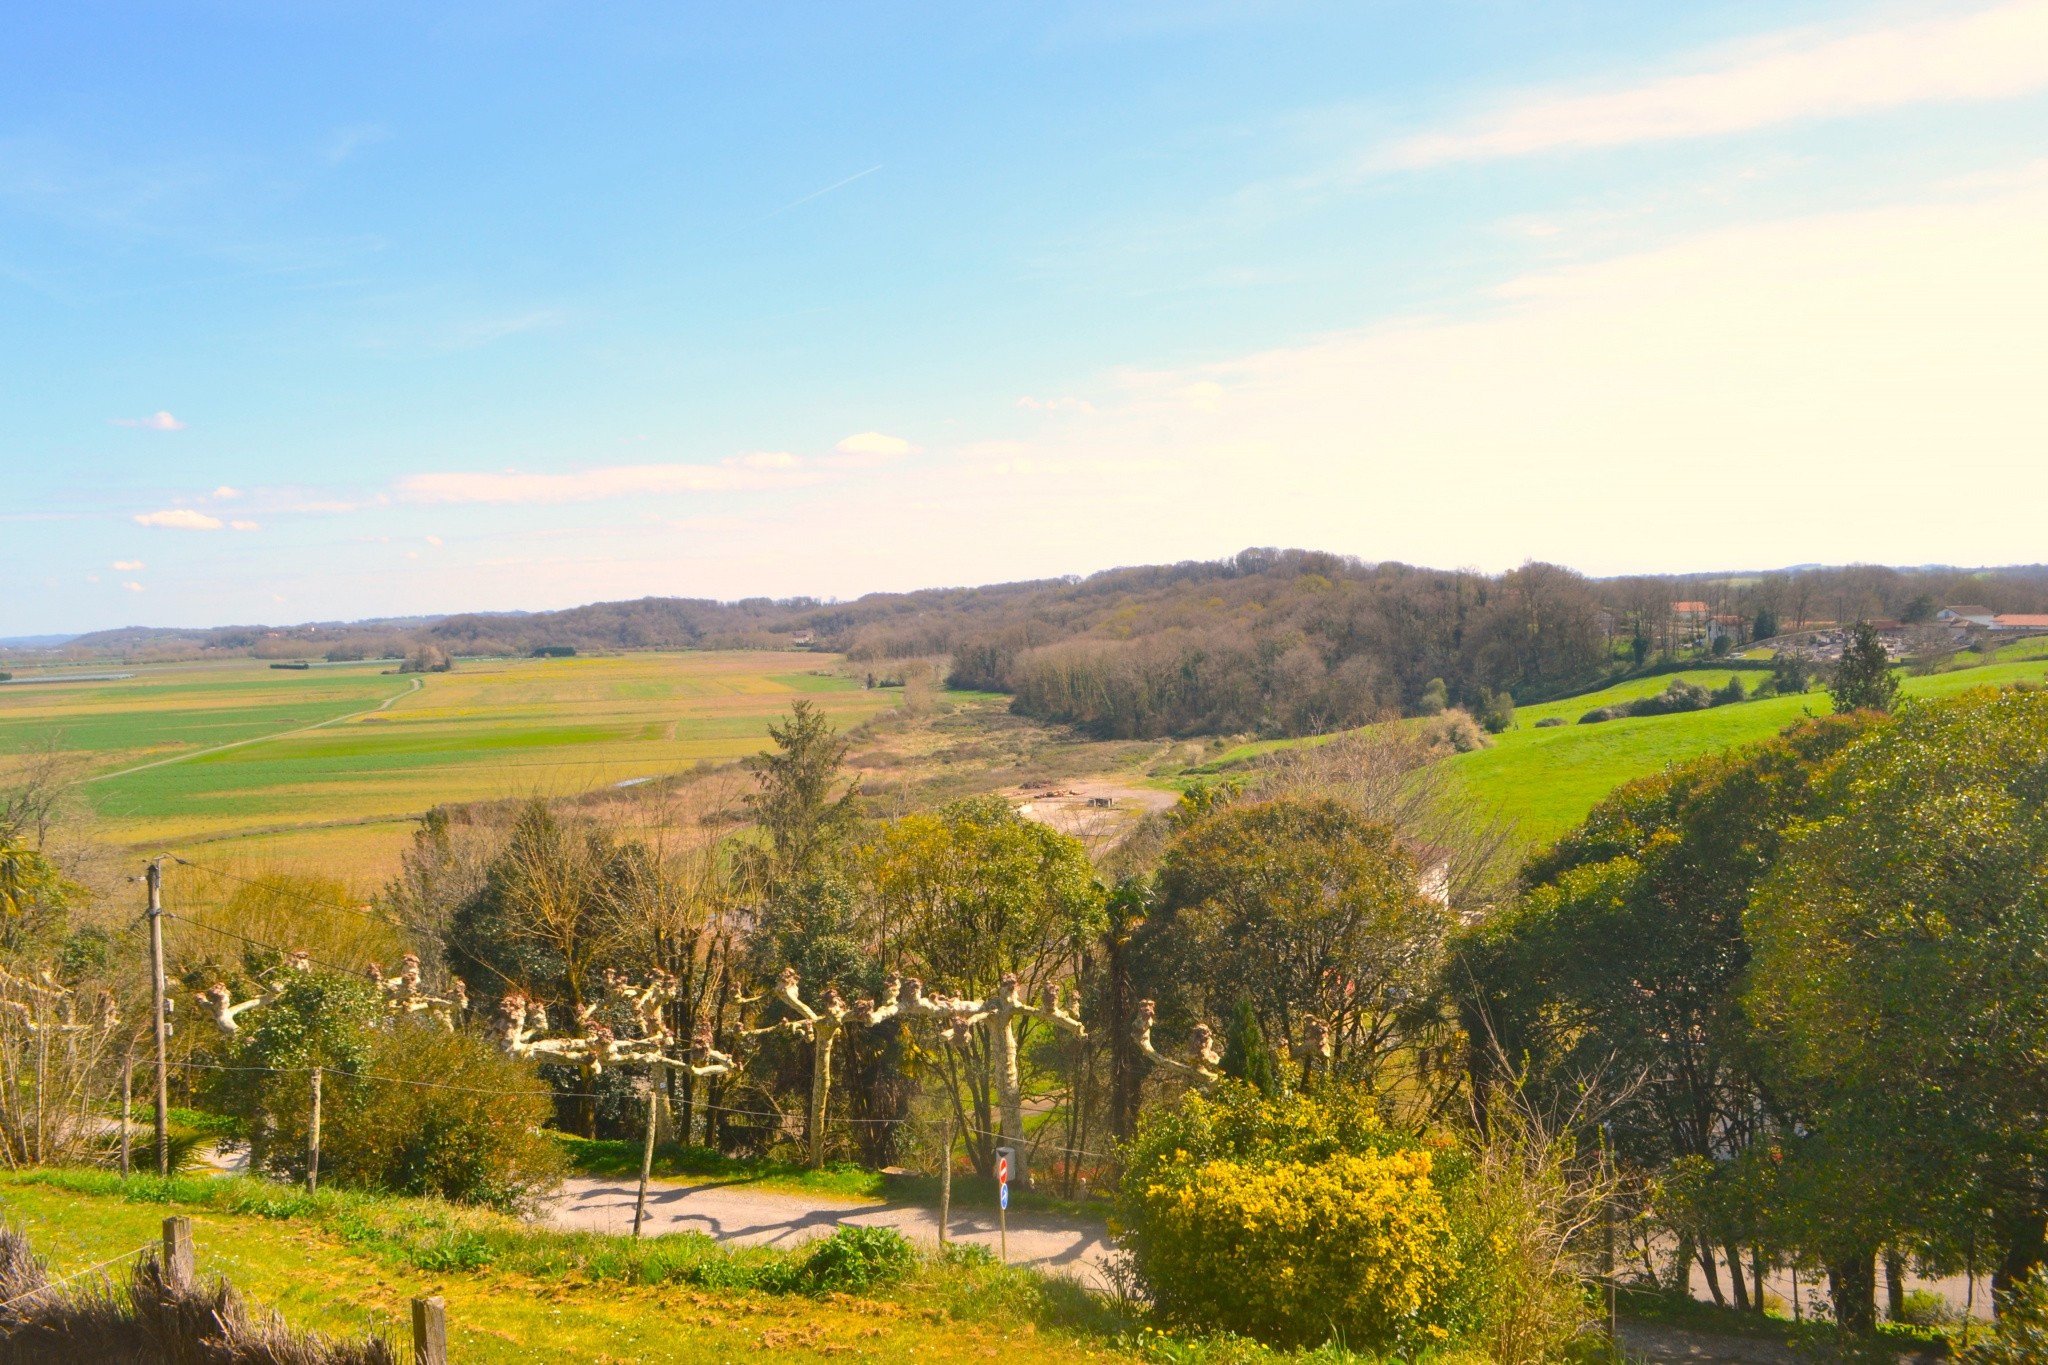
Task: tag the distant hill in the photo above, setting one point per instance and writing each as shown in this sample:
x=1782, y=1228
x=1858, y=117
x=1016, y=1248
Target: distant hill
x=1273, y=641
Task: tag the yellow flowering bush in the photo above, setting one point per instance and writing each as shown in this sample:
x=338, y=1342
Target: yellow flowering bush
x=1294, y=1248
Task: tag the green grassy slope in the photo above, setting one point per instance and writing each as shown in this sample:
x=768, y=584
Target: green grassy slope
x=1547, y=779
x=347, y=1263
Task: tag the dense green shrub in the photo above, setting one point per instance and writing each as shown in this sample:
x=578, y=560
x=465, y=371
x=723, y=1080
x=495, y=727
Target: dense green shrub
x=1289, y=1220
x=854, y=1260
x=440, y=1113
x=318, y=1019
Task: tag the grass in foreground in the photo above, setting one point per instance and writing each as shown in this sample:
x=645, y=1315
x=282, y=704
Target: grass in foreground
x=346, y=1262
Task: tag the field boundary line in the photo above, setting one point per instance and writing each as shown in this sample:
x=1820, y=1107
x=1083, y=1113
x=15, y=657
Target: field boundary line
x=417, y=684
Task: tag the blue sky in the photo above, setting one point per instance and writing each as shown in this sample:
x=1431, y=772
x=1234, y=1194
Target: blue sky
x=336, y=310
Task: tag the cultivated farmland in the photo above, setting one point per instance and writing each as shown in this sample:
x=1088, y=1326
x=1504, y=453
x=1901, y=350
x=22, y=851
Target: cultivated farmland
x=330, y=762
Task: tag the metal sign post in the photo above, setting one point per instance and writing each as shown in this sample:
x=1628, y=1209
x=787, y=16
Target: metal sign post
x=1003, y=1155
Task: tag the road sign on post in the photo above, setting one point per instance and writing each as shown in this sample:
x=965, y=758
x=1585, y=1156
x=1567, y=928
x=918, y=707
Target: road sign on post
x=1003, y=1155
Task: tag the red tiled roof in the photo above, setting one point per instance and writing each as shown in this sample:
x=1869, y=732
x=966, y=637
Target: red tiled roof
x=1689, y=608
x=2041, y=621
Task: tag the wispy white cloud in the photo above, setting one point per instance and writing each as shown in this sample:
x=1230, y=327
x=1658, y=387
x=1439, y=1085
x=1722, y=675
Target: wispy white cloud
x=1992, y=53
x=484, y=331
x=157, y=421
x=128, y=565
x=1064, y=404
x=132, y=587
x=344, y=143
x=179, y=519
x=245, y=526
x=224, y=492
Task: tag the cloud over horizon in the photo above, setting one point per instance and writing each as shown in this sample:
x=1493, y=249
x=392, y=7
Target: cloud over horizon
x=1992, y=53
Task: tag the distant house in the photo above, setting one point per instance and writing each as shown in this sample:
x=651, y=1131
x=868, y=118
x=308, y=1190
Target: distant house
x=1966, y=616
x=2012, y=621
x=1695, y=612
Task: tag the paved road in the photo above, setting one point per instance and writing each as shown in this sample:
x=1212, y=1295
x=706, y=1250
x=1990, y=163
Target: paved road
x=738, y=1213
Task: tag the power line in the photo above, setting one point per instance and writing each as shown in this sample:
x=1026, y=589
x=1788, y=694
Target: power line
x=301, y=896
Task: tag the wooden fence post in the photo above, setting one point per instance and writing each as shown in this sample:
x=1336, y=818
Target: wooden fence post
x=178, y=1259
x=313, y=1140
x=430, y=1331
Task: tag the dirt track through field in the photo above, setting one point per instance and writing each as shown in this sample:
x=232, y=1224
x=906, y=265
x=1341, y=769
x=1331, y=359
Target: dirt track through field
x=736, y=1213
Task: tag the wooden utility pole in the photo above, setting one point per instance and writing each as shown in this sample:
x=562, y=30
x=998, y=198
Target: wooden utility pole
x=313, y=1139
x=156, y=979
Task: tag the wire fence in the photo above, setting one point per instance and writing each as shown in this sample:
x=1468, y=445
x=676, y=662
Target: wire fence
x=47, y=1286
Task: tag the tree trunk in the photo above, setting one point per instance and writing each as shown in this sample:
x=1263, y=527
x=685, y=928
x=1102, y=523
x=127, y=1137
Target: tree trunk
x=1894, y=1285
x=1852, y=1285
x=1010, y=1090
x=1756, y=1274
x=2023, y=1256
x=1713, y=1269
x=1681, y=1268
x=821, y=1086
x=1736, y=1286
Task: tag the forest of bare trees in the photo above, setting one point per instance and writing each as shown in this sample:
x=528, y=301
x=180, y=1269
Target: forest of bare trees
x=1274, y=641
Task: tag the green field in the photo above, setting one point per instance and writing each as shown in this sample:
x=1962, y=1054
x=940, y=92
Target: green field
x=1547, y=779
x=329, y=761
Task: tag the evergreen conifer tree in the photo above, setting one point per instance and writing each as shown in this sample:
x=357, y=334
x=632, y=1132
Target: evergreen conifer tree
x=1863, y=680
x=1245, y=1054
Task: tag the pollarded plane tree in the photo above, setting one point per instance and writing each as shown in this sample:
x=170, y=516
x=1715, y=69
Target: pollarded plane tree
x=521, y=1022
x=404, y=995
x=597, y=1045
x=904, y=998
x=1203, y=1070
x=53, y=1070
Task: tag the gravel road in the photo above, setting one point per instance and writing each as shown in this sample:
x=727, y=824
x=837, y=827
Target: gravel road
x=737, y=1213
